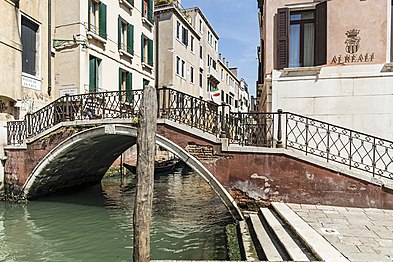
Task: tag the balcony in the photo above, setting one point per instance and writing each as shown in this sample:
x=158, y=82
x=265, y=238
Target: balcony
x=212, y=74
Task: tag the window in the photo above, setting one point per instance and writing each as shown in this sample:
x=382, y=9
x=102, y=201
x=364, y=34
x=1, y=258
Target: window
x=192, y=43
x=147, y=50
x=184, y=39
x=222, y=95
x=177, y=65
x=192, y=74
x=178, y=30
x=145, y=83
x=125, y=84
x=222, y=74
x=200, y=52
x=125, y=36
x=94, y=74
x=215, y=45
x=200, y=79
x=97, y=18
x=183, y=68
x=147, y=10
x=200, y=26
x=29, y=42
x=304, y=42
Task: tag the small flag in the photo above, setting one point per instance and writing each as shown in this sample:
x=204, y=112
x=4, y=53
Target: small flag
x=215, y=92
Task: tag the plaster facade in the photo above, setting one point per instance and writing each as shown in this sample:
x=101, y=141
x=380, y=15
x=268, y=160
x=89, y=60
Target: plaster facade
x=85, y=41
x=351, y=87
x=22, y=92
x=188, y=54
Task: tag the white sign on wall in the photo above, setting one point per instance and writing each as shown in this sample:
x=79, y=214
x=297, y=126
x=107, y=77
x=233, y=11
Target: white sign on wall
x=68, y=91
x=30, y=82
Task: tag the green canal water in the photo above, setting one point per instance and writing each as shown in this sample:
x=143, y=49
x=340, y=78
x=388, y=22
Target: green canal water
x=96, y=224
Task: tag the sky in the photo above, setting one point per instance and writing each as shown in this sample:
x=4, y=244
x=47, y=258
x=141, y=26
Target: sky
x=236, y=23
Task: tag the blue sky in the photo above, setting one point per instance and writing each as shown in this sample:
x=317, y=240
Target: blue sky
x=236, y=23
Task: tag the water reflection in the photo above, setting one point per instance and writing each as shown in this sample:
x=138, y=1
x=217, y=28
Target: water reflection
x=96, y=224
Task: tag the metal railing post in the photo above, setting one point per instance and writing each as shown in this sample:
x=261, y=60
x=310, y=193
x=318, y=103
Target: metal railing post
x=279, y=129
x=223, y=123
x=164, y=90
x=67, y=116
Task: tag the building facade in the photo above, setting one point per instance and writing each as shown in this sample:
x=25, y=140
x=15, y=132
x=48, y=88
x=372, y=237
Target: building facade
x=103, y=45
x=187, y=48
x=26, y=55
x=330, y=60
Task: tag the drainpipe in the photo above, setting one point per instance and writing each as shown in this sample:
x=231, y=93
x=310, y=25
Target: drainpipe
x=157, y=47
x=49, y=47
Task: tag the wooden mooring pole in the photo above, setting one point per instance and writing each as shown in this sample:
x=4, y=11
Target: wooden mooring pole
x=146, y=145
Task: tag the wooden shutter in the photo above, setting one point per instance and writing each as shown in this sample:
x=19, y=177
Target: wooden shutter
x=92, y=74
x=282, y=38
x=150, y=52
x=129, y=87
x=29, y=43
x=120, y=80
x=150, y=11
x=321, y=34
x=88, y=14
x=130, y=39
x=102, y=20
x=143, y=48
x=119, y=29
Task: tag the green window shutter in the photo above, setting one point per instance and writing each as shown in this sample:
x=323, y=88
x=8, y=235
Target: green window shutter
x=143, y=8
x=102, y=20
x=120, y=79
x=119, y=33
x=142, y=48
x=150, y=11
x=131, y=2
x=129, y=87
x=150, y=52
x=92, y=74
x=88, y=14
x=130, y=39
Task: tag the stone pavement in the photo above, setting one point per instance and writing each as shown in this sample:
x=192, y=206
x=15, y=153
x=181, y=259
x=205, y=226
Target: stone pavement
x=360, y=234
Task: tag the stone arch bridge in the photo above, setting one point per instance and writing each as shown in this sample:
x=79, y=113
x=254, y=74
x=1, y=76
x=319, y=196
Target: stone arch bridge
x=260, y=156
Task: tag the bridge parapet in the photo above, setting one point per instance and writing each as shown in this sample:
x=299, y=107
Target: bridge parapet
x=333, y=143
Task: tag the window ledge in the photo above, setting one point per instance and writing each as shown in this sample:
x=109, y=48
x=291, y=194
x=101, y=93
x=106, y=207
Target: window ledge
x=147, y=22
x=126, y=3
x=302, y=71
x=91, y=35
x=125, y=53
x=147, y=66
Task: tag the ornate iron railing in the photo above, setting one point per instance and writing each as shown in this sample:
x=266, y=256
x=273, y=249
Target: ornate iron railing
x=189, y=110
x=251, y=129
x=102, y=105
x=337, y=144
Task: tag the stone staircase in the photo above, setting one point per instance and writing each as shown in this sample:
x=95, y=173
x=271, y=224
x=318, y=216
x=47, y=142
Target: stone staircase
x=279, y=234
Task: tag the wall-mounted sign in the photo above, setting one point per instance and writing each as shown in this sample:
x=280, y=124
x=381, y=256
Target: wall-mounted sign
x=31, y=82
x=352, y=46
x=68, y=91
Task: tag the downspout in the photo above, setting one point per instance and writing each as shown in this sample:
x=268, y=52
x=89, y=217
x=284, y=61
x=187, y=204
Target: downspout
x=49, y=47
x=157, y=25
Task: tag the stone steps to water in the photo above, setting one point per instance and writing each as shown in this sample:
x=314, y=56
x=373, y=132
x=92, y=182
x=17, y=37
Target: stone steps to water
x=293, y=250
x=318, y=245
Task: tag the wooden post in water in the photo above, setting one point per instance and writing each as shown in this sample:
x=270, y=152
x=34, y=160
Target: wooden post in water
x=146, y=145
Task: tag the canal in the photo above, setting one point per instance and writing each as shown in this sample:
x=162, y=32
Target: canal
x=96, y=224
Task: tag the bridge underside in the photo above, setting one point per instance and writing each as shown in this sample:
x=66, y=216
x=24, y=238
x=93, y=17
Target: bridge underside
x=82, y=163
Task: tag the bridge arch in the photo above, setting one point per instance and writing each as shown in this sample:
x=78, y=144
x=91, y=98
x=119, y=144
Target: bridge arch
x=83, y=159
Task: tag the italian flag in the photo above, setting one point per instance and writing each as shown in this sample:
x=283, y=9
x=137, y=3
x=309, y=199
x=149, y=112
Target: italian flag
x=215, y=92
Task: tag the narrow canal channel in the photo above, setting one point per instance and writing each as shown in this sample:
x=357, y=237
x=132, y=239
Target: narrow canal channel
x=96, y=224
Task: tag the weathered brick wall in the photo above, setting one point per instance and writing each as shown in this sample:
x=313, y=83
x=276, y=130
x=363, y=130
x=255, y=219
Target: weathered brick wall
x=21, y=162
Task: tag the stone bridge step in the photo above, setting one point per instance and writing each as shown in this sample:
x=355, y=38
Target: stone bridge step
x=319, y=246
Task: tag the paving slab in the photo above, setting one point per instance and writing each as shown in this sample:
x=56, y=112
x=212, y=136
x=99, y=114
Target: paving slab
x=360, y=234
x=319, y=245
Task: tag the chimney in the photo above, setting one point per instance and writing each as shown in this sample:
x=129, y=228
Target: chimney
x=227, y=64
x=223, y=60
